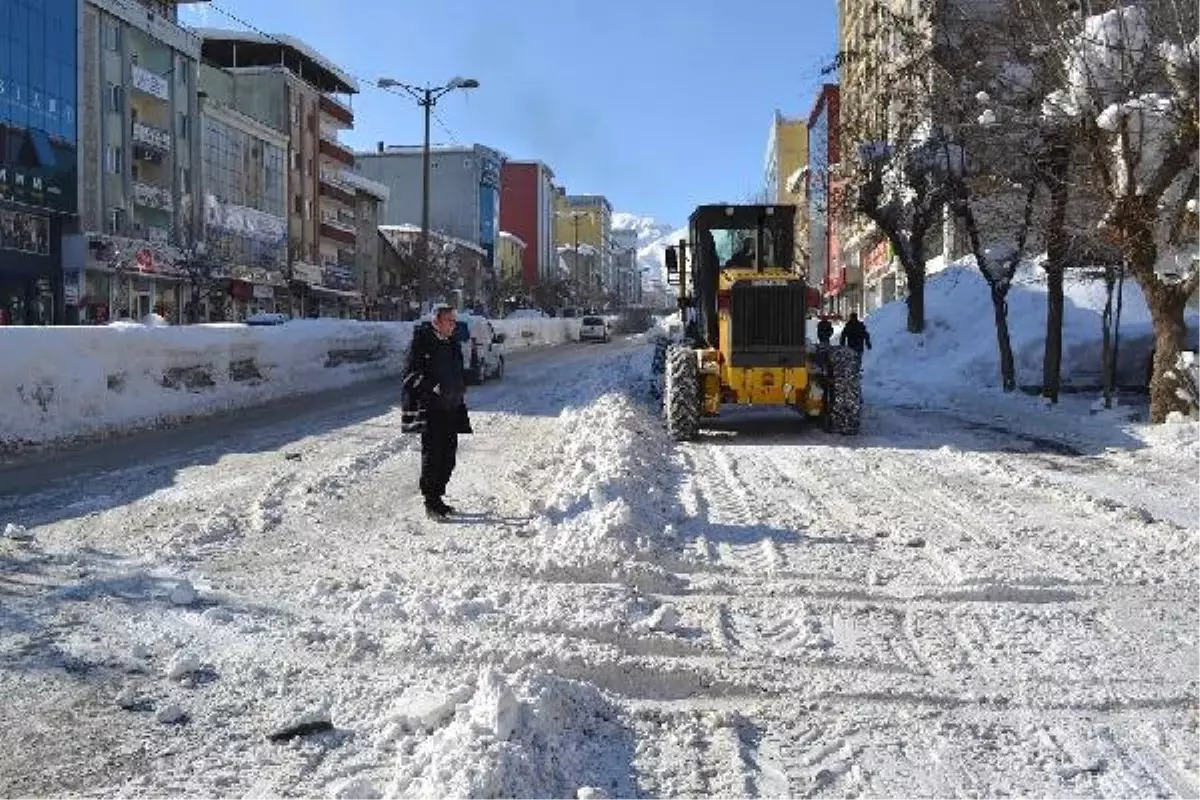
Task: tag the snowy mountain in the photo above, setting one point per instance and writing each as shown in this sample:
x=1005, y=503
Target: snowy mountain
x=653, y=239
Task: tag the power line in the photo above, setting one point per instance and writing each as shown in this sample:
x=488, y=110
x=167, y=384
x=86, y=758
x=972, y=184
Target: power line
x=366, y=81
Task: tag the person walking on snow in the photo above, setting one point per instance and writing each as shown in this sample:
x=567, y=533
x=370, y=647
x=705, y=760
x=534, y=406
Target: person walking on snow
x=824, y=332
x=434, y=403
x=855, y=335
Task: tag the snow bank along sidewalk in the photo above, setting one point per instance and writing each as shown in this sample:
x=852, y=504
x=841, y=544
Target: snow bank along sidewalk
x=62, y=383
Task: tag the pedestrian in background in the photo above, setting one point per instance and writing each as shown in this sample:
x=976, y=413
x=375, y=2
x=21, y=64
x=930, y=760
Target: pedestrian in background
x=855, y=335
x=434, y=403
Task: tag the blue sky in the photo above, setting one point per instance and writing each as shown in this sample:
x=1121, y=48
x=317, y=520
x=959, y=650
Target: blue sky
x=660, y=105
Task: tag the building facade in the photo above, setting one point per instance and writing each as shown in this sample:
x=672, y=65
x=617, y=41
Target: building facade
x=464, y=192
x=39, y=48
x=281, y=82
x=527, y=210
x=460, y=274
x=141, y=154
x=370, y=197
x=512, y=257
x=625, y=266
x=244, y=180
x=840, y=287
x=583, y=222
x=784, y=163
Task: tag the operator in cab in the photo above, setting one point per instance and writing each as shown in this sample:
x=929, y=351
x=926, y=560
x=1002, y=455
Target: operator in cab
x=744, y=257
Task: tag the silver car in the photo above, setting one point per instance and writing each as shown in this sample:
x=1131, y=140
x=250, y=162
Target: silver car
x=594, y=329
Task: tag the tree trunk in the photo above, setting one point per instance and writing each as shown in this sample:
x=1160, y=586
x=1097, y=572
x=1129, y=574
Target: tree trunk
x=1008, y=370
x=1106, y=353
x=1167, y=303
x=1170, y=337
x=1056, y=171
x=916, y=297
x=1052, y=358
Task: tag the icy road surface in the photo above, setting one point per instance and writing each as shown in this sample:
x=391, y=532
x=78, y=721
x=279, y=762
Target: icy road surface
x=953, y=604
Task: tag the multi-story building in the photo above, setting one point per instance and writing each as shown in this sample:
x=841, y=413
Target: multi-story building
x=283, y=83
x=586, y=220
x=625, y=266
x=464, y=194
x=840, y=287
x=512, y=257
x=786, y=157
x=527, y=210
x=141, y=156
x=38, y=177
x=243, y=170
x=370, y=197
x=461, y=270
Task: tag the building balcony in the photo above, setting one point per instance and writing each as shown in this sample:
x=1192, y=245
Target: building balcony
x=151, y=138
x=335, y=192
x=336, y=150
x=339, y=220
x=337, y=110
x=151, y=84
x=154, y=197
x=338, y=232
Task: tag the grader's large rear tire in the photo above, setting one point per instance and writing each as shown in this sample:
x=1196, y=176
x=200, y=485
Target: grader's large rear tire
x=682, y=396
x=844, y=391
x=658, y=367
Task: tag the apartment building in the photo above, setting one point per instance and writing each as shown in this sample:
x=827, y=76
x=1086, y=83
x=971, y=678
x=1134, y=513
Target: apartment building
x=583, y=227
x=283, y=83
x=783, y=166
x=40, y=281
x=512, y=257
x=527, y=210
x=140, y=157
x=625, y=267
x=464, y=195
x=244, y=179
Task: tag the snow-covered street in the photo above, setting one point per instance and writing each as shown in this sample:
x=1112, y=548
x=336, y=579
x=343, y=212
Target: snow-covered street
x=962, y=601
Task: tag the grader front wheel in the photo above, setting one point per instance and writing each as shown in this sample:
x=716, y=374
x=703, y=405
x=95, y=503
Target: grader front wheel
x=682, y=395
x=843, y=397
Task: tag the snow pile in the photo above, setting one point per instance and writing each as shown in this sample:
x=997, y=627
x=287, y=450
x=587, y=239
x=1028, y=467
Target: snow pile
x=1188, y=367
x=528, y=735
x=59, y=383
x=607, y=504
x=958, y=347
x=524, y=332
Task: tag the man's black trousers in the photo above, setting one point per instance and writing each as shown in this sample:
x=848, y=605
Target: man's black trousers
x=439, y=451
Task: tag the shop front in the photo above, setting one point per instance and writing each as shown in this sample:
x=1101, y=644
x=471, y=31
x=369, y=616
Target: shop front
x=130, y=279
x=30, y=268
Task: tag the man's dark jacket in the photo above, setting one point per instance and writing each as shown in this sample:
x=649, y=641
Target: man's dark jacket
x=434, y=390
x=855, y=335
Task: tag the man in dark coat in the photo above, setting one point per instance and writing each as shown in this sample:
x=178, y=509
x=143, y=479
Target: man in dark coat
x=855, y=335
x=434, y=403
x=824, y=332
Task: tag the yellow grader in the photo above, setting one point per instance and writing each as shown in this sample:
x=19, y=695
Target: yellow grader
x=743, y=307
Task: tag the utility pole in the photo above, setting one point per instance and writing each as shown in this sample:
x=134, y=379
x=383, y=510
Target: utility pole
x=426, y=98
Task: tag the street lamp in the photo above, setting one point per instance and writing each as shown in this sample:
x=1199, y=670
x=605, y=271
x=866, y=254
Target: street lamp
x=427, y=97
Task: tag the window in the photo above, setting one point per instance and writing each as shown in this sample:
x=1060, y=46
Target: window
x=116, y=98
x=111, y=34
x=185, y=180
x=112, y=160
x=185, y=125
x=298, y=204
x=116, y=221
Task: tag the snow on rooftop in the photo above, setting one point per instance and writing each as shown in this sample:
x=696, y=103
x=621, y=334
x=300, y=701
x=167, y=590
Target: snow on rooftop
x=393, y=233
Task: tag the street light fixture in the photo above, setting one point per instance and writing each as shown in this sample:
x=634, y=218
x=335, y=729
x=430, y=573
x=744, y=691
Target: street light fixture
x=427, y=97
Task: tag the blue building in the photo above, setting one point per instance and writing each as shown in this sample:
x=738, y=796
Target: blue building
x=38, y=165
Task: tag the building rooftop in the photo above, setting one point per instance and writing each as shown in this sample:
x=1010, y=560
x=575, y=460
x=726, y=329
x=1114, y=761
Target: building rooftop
x=435, y=149
x=233, y=49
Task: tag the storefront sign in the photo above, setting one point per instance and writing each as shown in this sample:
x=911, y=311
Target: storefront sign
x=150, y=83
x=25, y=232
x=263, y=292
x=339, y=276
x=308, y=273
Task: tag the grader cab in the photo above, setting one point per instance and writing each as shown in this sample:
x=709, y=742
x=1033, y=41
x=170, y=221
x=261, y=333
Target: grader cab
x=744, y=306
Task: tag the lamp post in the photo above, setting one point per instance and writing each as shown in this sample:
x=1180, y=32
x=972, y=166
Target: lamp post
x=575, y=216
x=426, y=97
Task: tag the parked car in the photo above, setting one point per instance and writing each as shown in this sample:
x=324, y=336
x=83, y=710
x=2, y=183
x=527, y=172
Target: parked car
x=594, y=329
x=266, y=318
x=482, y=356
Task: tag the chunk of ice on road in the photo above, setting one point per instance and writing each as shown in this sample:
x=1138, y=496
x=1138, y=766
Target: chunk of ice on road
x=184, y=594
x=19, y=532
x=170, y=714
x=665, y=619
x=418, y=709
x=182, y=665
x=495, y=708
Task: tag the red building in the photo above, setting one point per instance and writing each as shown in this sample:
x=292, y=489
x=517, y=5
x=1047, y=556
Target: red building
x=527, y=211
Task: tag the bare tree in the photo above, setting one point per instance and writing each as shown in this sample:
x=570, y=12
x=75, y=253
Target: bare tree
x=1129, y=87
x=202, y=269
x=893, y=155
